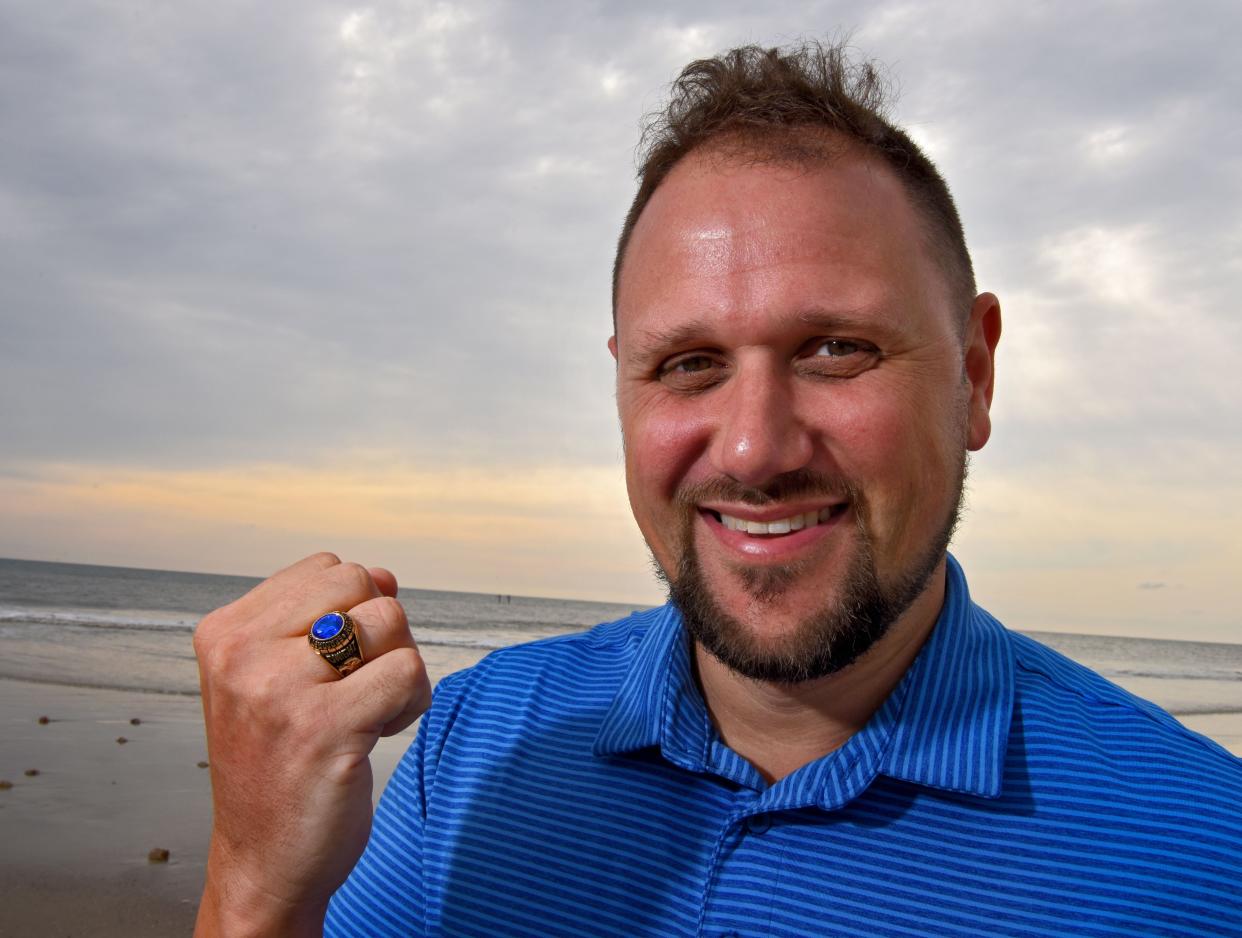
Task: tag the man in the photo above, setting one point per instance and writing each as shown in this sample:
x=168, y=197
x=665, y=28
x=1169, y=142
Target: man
x=821, y=734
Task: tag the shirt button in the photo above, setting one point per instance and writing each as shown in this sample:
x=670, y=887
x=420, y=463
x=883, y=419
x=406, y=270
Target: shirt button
x=758, y=823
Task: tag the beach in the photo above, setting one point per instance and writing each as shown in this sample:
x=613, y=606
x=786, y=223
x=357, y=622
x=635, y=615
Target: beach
x=77, y=836
x=94, y=649
x=74, y=856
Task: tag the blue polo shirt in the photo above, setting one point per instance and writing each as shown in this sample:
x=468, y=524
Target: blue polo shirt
x=577, y=787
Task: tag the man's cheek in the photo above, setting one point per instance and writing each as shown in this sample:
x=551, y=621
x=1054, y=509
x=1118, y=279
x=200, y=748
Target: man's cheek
x=666, y=451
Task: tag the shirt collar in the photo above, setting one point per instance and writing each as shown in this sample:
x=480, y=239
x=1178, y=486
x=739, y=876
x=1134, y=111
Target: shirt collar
x=952, y=730
x=659, y=703
x=945, y=725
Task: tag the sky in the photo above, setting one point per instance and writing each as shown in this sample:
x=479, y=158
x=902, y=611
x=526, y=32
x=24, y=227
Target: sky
x=293, y=276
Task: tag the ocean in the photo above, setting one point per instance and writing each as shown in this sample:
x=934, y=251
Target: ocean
x=128, y=629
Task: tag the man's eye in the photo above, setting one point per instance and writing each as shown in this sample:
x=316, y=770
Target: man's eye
x=691, y=365
x=838, y=348
x=839, y=358
x=691, y=372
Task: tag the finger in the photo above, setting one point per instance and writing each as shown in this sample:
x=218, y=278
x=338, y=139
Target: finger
x=380, y=626
x=335, y=589
x=385, y=695
x=288, y=577
x=384, y=580
x=280, y=607
x=250, y=607
x=384, y=626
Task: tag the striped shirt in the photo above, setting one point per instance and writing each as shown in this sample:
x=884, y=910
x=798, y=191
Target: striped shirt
x=576, y=786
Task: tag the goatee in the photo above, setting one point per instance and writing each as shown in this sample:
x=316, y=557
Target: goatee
x=838, y=633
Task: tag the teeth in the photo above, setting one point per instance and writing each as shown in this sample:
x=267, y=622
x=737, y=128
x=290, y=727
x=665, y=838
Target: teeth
x=780, y=526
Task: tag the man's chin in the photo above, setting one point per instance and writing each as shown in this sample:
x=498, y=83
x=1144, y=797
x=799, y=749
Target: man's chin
x=757, y=625
x=768, y=585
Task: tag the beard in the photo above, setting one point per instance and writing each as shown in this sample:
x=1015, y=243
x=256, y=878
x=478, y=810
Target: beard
x=839, y=632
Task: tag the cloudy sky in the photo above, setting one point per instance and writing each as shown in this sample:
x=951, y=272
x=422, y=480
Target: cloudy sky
x=287, y=276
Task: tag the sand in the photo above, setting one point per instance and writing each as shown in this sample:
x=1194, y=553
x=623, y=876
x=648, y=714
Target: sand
x=75, y=838
x=77, y=835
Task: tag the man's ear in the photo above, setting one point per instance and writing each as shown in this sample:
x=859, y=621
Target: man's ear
x=612, y=346
x=982, y=333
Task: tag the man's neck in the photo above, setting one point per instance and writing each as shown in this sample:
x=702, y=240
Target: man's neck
x=779, y=728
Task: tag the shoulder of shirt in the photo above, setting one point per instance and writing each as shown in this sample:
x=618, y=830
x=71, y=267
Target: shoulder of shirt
x=1062, y=680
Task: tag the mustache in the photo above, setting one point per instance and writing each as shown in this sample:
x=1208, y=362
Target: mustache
x=799, y=483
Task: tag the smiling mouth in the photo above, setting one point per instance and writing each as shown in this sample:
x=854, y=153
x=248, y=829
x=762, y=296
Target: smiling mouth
x=779, y=526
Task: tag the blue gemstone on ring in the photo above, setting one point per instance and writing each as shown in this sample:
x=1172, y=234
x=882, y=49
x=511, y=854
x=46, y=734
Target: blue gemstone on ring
x=328, y=627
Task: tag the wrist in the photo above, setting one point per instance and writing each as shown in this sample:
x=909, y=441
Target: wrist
x=234, y=906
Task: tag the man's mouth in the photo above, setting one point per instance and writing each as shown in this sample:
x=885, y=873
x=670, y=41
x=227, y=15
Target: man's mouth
x=778, y=526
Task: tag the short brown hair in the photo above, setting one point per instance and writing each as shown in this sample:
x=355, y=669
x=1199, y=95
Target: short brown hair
x=774, y=104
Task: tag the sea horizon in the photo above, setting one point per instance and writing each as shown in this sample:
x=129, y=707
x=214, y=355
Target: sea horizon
x=88, y=625
x=258, y=578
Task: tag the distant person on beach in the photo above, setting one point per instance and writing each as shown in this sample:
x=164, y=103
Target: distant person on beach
x=820, y=733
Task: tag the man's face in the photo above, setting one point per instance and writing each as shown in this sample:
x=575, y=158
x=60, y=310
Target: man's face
x=795, y=405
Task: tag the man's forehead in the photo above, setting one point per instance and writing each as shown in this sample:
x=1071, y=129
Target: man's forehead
x=717, y=207
x=713, y=223
x=744, y=241
x=720, y=215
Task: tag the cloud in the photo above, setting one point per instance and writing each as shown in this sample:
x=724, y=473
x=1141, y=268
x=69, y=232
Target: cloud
x=273, y=235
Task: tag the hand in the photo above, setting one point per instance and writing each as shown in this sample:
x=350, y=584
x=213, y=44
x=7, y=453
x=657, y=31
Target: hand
x=289, y=741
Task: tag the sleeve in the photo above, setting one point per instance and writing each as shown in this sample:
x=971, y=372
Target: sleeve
x=383, y=896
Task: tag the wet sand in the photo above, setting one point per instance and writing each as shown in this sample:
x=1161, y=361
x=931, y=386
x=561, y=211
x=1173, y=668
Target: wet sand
x=77, y=835
x=75, y=838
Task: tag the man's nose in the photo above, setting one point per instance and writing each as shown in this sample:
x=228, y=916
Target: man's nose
x=759, y=433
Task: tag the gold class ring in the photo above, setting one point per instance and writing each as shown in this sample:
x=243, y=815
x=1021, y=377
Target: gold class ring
x=335, y=639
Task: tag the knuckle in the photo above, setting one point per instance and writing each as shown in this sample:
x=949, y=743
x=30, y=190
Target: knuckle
x=201, y=644
x=264, y=694
x=324, y=559
x=215, y=621
x=356, y=577
x=267, y=702
x=225, y=654
x=202, y=638
x=391, y=612
x=409, y=669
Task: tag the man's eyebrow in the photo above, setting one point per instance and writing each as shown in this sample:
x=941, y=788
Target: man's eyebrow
x=819, y=319
x=837, y=320
x=651, y=341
